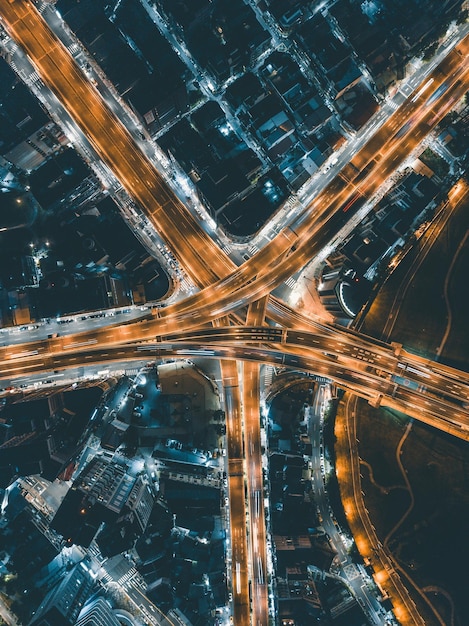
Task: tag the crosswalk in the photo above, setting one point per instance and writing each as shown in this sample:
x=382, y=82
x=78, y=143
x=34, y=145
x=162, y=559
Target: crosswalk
x=351, y=571
x=186, y=285
x=73, y=48
x=131, y=576
x=268, y=375
x=127, y=576
x=291, y=283
x=132, y=372
x=34, y=76
x=321, y=380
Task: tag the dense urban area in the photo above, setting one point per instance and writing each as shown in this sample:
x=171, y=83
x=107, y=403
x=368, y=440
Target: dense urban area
x=233, y=312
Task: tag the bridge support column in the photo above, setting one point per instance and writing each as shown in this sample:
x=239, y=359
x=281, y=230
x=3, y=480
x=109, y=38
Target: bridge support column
x=375, y=402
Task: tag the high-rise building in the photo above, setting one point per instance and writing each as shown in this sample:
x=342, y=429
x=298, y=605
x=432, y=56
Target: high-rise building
x=98, y=495
x=64, y=602
x=97, y=612
x=140, y=502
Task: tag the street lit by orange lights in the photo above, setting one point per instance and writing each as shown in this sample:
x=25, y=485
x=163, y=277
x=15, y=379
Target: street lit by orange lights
x=348, y=510
x=362, y=544
x=457, y=190
x=381, y=576
x=399, y=611
x=213, y=266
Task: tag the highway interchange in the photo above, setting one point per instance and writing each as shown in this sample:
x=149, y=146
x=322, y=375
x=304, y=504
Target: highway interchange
x=228, y=293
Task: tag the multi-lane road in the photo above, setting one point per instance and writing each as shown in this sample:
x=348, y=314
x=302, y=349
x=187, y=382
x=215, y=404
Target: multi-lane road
x=204, y=262
x=367, y=541
x=432, y=393
x=239, y=548
x=112, y=142
x=255, y=482
x=370, y=367
x=384, y=374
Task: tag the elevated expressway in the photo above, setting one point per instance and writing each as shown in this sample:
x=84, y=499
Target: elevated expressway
x=225, y=288
x=428, y=391
x=208, y=266
x=255, y=487
x=239, y=550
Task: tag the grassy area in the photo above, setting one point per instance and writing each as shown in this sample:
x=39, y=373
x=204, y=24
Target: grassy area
x=421, y=317
x=434, y=162
x=432, y=543
x=421, y=320
x=379, y=432
x=380, y=425
x=333, y=490
x=457, y=346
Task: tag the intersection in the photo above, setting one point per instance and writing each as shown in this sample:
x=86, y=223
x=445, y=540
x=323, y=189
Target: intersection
x=436, y=394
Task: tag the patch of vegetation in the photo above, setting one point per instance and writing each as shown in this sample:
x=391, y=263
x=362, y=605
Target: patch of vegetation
x=434, y=162
x=421, y=319
x=328, y=428
x=431, y=545
x=457, y=345
x=332, y=482
x=379, y=432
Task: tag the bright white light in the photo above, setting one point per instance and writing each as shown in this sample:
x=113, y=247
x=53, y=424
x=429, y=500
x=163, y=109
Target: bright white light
x=342, y=301
x=211, y=222
x=225, y=129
